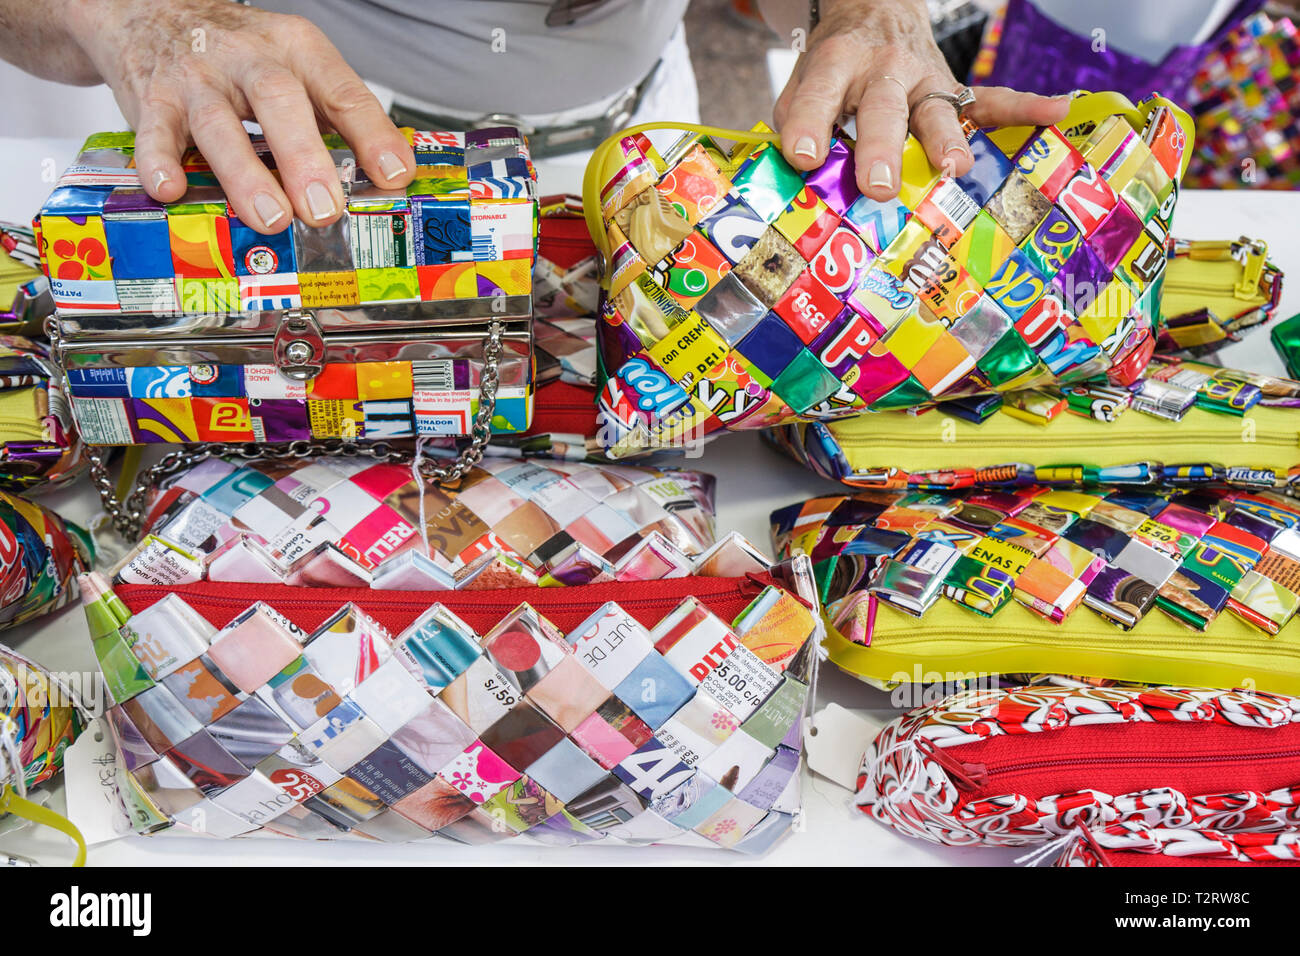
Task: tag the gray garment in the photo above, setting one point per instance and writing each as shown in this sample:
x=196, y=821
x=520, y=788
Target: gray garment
x=440, y=51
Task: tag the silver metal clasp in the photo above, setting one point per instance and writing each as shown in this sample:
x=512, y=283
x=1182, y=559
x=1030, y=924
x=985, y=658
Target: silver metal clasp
x=299, y=345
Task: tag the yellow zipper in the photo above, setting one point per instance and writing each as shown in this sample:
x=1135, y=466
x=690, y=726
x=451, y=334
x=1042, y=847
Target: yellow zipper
x=1262, y=438
x=950, y=643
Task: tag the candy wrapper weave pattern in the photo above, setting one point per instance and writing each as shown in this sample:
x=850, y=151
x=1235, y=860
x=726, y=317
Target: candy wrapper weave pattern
x=39, y=444
x=39, y=720
x=465, y=227
x=457, y=241
x=743, y=294
x=1198, y=319
x=1026, y=49
x=1246, y=104
x=661, y=712
x=923, y=777
x=40, y=555
x=1178, y=408
x=351, y=523
x=1118, y=844
x=1120, y=553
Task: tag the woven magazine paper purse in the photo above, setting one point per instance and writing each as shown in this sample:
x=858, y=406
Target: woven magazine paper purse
x=740, y=293
x=626, y=713
x=565, y=655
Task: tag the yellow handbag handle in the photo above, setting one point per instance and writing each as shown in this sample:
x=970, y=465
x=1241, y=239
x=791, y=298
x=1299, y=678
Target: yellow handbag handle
x=1084, y=108
x=10, y=802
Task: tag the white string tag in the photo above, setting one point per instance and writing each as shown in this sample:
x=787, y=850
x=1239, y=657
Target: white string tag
x=842, y=737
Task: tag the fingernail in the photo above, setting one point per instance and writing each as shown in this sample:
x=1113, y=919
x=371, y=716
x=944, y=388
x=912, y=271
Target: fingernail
x=956, y=148
x=880, y=175
x=159, y=177
x=267, y=209
x=391, y=166
x=320, y=200
x=806, y=146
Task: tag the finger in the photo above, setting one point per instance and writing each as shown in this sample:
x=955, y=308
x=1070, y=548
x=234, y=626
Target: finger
x=347, y=104
x=307, y=173
x=781, y=109
x=815, y=105
x=160, y=140
x=882, y=130
x=935, y=123
x=251, y=190
x=1000, y=106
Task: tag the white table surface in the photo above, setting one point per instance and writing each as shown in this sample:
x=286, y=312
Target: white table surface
x=752, y=481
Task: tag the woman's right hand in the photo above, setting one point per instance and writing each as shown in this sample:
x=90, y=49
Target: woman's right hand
x=183, y=69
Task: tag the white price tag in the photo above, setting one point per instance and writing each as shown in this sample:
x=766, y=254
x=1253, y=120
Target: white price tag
x=835, y=750
x=90, y=785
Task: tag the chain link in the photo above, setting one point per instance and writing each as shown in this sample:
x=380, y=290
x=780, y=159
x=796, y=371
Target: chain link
x=128, y=515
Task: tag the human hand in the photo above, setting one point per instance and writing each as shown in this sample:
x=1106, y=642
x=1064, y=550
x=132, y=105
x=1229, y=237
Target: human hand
x=876, y=59
x=183, y=69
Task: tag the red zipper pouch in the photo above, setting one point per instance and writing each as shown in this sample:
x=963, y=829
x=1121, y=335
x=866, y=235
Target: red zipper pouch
x=1032, y=765
x=566, y=297
x=624, y=713
x=1136, y=845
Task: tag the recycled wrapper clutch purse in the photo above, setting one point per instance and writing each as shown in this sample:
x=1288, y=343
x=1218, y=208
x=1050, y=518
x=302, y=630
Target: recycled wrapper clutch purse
x=1183, y=423
x=743, y=294
x=362, y=523
x=38, y=444
x=1215, y=291
x=40, y=555
x=1049, y=765
x=626, y=713
x=22, y=284
x=1198, y=587
x=409, y=316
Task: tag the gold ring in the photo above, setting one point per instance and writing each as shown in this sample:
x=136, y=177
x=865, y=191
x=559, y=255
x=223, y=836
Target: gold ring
x=889, y=76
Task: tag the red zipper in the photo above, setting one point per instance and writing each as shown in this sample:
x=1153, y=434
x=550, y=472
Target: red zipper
x=564, y=409
x=1194, y=758
x=647, y=601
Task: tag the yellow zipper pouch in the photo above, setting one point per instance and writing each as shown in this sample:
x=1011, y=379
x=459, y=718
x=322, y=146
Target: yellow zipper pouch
x=1197, y=586
x=1183, y=424
x=1215, y=290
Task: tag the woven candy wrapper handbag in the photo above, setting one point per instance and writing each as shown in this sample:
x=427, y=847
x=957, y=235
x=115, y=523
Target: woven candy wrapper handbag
x=409, y=316
x=1198, y=586
x=1040, y=766
x=1181, y=423
x=1245, y=104
x=40, y=555
x=650, y=690
x=1214, y=292
x=39, y=446
x=22, y=284
x=40, y=717
x=742, y=294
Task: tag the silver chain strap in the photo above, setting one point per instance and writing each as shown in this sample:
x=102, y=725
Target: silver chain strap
x=128, y=515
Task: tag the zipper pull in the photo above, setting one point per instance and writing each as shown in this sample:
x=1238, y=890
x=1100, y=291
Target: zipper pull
x=1256, y=254
x=1064, y=844
x=967, y=776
